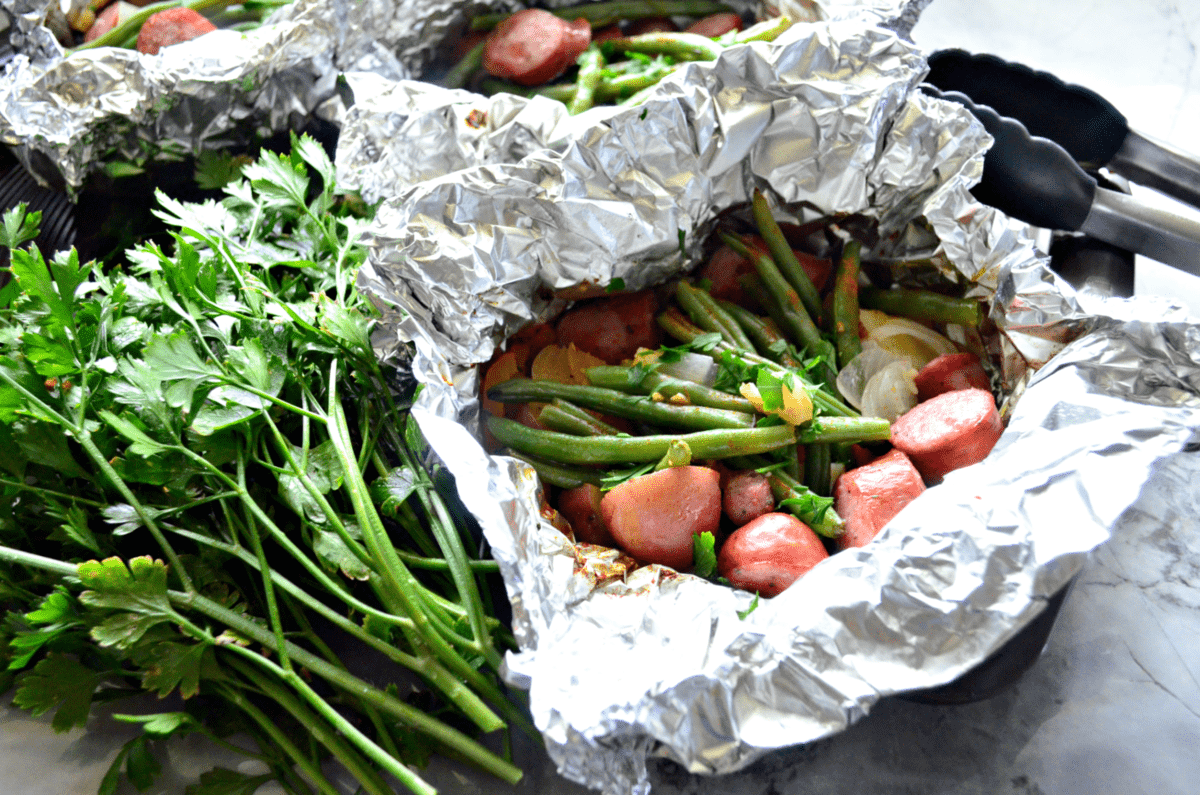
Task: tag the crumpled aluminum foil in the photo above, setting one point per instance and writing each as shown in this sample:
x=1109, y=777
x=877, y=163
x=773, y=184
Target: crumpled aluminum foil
x=624, y=666
x=63, y=116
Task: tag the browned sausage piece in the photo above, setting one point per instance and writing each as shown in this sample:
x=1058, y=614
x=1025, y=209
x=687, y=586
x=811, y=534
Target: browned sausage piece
x=612, y=328
x=948, y=432
x=533, y=46
x=769, y=554
x=716, y=25
x=870, y=496
x=950, y=372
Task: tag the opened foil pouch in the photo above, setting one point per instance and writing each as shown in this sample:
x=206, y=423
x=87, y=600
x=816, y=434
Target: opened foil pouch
x=626, y=665
x=64, y=114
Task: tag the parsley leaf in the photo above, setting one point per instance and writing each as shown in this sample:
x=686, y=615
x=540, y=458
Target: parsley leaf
x=221, y=781
x=60, y=683
x=19, y=226
x=704, y=555
x=744, y=614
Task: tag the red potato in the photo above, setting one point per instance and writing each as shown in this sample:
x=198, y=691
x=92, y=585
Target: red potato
x=612, y=328
x=655, y=516
x=171, y=26
x=950, y=372
x=769, y=554
x=870, y=496
x=533, y=46
x=747, y=496
x=715, y=25
x=948, y=432
x=581, y=507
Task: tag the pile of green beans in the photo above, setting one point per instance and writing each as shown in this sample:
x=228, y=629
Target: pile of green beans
x=801, y=340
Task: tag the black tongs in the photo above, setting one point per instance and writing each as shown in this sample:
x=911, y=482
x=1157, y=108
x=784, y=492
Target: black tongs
x=1046, y=132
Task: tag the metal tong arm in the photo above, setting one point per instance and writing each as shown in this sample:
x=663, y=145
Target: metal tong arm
x=1037, y=181
x=1085, y=124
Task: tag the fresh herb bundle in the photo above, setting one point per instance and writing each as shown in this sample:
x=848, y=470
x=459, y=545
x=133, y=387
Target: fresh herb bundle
x=210, y=489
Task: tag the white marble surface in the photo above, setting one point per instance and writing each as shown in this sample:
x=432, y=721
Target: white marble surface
x=1112, y=705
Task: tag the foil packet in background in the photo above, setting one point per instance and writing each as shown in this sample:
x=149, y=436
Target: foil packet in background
x=625, y=667
x=65, y=115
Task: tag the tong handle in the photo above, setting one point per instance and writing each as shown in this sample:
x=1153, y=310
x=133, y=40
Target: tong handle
x=1031, y=179
x=1076, y=118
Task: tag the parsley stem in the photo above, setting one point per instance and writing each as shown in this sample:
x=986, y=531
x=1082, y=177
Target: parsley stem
x=380, y=546
x=271, y=728
x=441, y=564
x=84, y=437
x=346, y=681
x=300, y=473
x=323, y=732
x=16, y=484
x=265, y=571
x=37, y=561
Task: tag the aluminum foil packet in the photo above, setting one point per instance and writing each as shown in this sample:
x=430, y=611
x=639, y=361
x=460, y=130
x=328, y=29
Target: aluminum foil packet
x=627, y=665
x=65, y=115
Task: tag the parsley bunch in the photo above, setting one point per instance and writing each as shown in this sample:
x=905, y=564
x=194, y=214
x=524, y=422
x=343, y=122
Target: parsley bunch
x=211, y=489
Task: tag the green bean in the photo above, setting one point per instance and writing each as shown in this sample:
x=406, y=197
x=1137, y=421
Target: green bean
x=678, y=455
x=767, y=30
x=600, y=15
x=787, y=308
x=845, y=303
x=785, y=258
x=618, y=404
x=675, y=323
x=697, y=394
x=767, y=337
x=624, y=86
x=556, y=474
x=923, y=305
x=817, y=458
x=568, y=449
x=680, y=46
x=563, y=92
x=629, y=379
x=844, y=429
x=590, y=76
x=706, y=313
x=464, y=70
x=565, y=417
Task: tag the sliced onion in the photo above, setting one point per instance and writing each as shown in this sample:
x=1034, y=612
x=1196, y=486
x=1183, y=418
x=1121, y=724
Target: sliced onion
x=908, y=338
x=890, y=392
x=695, y=367
x=871, y=319
x=853, y=378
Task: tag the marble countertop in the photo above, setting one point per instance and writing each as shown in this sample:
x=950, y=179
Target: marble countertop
x=1113, y=703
